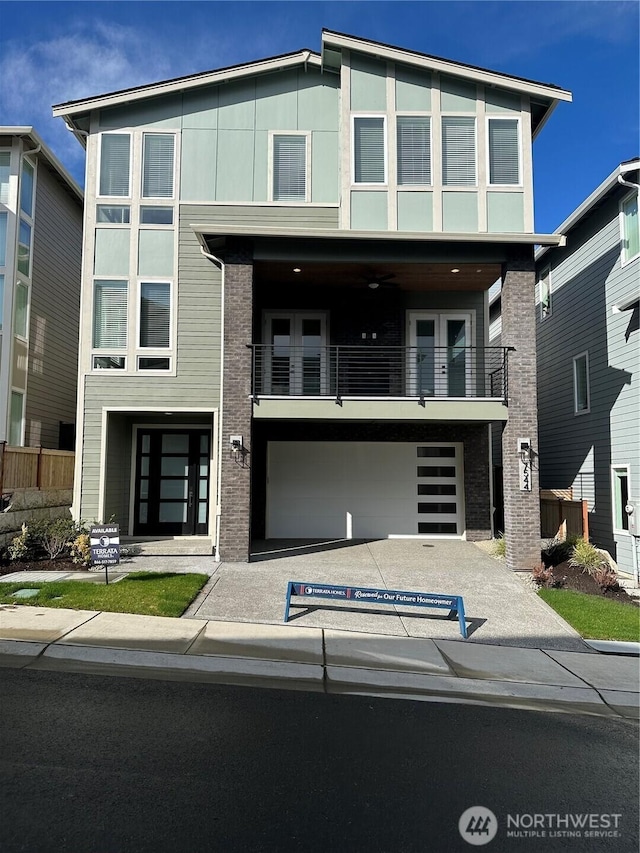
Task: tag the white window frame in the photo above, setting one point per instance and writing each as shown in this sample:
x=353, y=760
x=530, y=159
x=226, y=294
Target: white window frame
x=160, y=226
x=117, y=370
x=545, y=273
x=152, y=352
x=414, y=115
x=614, y=495
x=28, y=217
x=163, y=201
x=165, y=371
x=100, y=224
x=624, y=260
x=385, y=146
x=576, y=411
x=99, y=168
x=459, y=187
x=21, y=283
x=108, y=351
x=307, y=165
x=517, y=119
x=23, y=394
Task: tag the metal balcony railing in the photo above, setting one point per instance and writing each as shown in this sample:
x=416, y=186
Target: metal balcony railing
x=371, y=372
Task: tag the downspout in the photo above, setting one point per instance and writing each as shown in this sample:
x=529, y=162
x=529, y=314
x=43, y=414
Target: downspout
x=630, y=184
x=220, y=263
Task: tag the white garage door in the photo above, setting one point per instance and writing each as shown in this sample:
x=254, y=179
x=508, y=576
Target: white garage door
x=364, y=490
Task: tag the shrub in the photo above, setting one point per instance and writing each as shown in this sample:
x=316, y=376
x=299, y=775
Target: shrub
x=80, y=549
x=586, y=556
x=54, y=535
x=500, y=546
x=557, y=551
x=543, y=575
x=23, y=546
x=605, y=577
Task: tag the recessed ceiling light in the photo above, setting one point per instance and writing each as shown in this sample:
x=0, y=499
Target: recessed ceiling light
x=374, y=285
x=455, y=270
x=478, y=270
x=297, y=269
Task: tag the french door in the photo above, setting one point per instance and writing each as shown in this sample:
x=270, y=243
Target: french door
x=295, y=362
x=172, y=482
x=439, y=358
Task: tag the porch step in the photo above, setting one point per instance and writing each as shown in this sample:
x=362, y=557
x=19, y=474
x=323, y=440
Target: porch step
x=182, y=546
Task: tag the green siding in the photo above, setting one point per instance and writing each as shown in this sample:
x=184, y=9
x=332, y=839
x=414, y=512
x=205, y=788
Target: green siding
x=318, y=101
x=198, y=172
x=237, y=105
x=368, y=84
x=279, y=216
x=415, y=211
x=234, y=178
x=457, y=95
x=325, y=167
x=413, y=89
x=369, y=211
x=459, y=211
x=499, y=101
x=260, y=166
x=277, y=101
x=112, y=251
x=200, y=108
x=155, y=252
x=505, y=212
x=161, y=112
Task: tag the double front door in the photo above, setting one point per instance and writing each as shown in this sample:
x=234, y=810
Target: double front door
x=295, y=362
x=439, y=355
x=172, y=482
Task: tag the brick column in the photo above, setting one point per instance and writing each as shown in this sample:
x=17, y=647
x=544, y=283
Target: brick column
x=235, y=485
x=521, y=509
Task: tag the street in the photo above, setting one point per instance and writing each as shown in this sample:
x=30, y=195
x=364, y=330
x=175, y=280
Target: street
x=102, y=764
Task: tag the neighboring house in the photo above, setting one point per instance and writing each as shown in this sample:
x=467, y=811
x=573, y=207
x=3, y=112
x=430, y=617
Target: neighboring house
x=589, y=359
x=40, y=266
x=284, y=311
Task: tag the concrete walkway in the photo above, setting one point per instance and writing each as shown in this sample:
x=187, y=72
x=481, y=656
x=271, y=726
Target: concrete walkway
x=329, y=661
x=501, y=608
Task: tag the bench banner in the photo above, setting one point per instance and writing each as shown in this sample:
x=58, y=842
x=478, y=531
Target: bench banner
x=363, y=594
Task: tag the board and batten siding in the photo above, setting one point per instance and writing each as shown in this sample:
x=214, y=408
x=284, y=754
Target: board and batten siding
x=54, y=311
x=578, y=450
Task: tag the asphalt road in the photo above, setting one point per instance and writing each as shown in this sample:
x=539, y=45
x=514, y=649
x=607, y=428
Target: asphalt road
x=115, y=764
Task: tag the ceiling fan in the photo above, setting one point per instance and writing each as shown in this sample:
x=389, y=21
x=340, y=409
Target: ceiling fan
x=374, y=281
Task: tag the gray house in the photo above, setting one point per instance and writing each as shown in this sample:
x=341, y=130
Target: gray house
x=588, y=329
x=284, y=308
x=40, y=264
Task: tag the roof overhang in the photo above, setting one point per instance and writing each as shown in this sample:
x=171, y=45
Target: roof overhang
x=595, y=199
x=42, y=150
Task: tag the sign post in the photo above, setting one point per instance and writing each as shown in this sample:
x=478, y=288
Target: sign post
x=105, y=546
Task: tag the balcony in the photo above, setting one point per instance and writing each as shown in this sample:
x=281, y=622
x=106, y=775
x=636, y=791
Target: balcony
x=343, y=374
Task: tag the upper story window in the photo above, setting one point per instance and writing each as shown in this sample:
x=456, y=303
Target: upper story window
x=581, y=401
x=24, y=248
x=504, y=151
x=545, y=293
x=155, y=314
x=630, y=228
x=110, y=314
x=156, y=215
x=3, y=239
x=458, y=151
x=290, y=167
x=21, y=311
x=114, y=214
x=414, y=150
x=369, y=150
x=5, y=174
x=26, y=188
x=115, y=165
x=157, y=165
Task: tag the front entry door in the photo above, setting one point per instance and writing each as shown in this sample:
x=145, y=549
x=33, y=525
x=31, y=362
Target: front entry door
x=296, y=359
x=439, y=355
x=172, y=482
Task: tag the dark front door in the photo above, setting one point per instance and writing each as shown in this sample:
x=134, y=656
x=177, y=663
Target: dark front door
x=172, y=482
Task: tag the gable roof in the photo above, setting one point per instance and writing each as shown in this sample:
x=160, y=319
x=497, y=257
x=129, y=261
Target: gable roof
x=544, y=96
x=42, y=151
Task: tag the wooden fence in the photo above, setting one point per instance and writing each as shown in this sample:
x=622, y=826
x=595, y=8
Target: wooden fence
x=35, y=468
x=560, y=516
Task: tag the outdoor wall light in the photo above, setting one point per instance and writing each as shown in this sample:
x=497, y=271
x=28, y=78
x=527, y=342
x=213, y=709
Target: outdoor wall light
x=238, y=450
x=524, y=449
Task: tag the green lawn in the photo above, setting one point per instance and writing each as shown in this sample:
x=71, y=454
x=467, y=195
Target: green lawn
x=594, y=617
x=148, y=593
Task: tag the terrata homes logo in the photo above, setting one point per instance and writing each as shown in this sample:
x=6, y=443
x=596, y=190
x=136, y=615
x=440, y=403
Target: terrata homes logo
x=478, y=825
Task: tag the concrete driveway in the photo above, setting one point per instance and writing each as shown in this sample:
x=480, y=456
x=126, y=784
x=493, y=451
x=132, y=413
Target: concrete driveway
x=500, y=607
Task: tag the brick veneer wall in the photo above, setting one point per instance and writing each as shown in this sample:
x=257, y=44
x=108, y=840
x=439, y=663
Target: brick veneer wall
x=235, y=480
x=475, y=438
x=521, y=509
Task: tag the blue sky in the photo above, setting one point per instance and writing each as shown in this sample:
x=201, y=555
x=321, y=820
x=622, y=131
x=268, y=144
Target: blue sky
x=52, y=52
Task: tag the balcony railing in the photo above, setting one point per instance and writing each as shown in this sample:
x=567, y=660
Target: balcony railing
x=368, y=372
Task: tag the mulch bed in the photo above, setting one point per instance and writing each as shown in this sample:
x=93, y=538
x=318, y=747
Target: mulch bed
x=572, y=577
x=61, y=565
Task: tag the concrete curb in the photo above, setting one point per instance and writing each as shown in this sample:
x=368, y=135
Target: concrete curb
x=614, y=647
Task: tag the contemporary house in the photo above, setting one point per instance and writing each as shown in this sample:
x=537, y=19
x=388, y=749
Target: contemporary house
x=40, y=265
x=588, y=322
x=284, y=309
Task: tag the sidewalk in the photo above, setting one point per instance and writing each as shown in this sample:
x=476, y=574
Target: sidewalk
x=319, y=659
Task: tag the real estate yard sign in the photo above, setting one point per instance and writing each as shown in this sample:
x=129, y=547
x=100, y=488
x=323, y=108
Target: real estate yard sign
x=105, y=546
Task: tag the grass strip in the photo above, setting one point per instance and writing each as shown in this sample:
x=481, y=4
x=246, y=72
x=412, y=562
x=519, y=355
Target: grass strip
x=145, y=593
x=593, y=617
